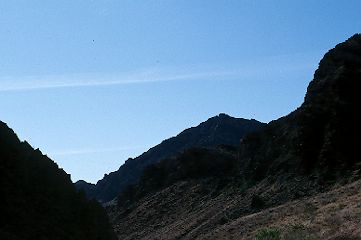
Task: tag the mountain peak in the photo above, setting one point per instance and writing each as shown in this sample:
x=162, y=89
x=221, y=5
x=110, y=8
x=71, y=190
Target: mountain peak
x=337, y=68
x=221, y=129
x=223, y=115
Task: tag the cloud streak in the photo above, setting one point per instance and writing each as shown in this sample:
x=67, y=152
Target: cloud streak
x=88, y=80
x=261, y=69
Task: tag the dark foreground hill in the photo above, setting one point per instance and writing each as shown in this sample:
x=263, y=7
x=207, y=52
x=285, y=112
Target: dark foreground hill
x=39, y=201
x=221, y=129
x=285, y=178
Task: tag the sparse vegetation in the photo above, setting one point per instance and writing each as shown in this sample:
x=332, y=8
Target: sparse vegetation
x=298, y=232
x=268, y=234
x=295, y=232
x=257, y=202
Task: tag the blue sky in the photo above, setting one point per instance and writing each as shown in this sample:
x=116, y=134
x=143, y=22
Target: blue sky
x=93, y=82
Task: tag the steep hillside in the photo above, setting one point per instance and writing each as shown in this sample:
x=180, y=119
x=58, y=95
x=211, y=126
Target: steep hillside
x=190, y=210
x=303, y=155
x=39, y=201
x=221, y=129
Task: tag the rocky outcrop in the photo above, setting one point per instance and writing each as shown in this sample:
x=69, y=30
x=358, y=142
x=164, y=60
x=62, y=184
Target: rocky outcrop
x=322, y=136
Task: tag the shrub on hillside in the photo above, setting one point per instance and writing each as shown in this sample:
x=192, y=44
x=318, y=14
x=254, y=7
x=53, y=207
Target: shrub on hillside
x=268, y=234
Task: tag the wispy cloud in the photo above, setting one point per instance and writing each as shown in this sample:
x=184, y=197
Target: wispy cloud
x=263, y=68
x=89, y=80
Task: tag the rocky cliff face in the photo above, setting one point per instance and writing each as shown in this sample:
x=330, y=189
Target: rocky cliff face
x=321, y=137
x=221, y=129
x=312, y=150
x=39, y=201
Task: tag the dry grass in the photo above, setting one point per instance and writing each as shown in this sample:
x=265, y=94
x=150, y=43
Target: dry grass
x=332, y=215
x=180, y=212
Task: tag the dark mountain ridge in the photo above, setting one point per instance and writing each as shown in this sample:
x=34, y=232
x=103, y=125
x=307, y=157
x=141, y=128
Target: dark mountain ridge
x=313, y=149
x=320, y=137
x=221, y=129
x=39, y=201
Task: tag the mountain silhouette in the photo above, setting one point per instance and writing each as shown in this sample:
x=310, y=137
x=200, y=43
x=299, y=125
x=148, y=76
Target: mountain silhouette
x=39, y=201
x=321, y=136
x=221, y=129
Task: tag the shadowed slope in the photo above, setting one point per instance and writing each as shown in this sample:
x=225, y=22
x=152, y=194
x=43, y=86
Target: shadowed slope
x=39, y=201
